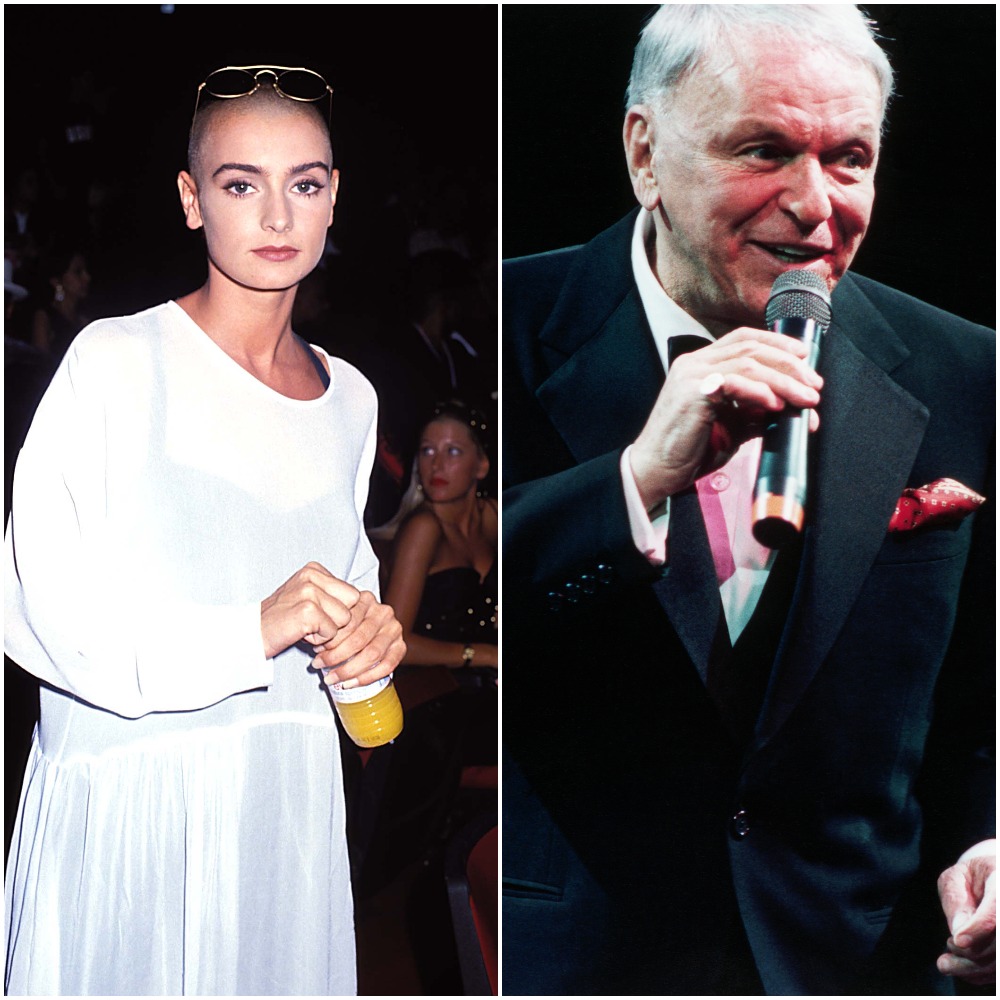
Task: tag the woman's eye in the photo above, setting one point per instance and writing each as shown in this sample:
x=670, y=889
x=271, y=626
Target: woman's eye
x=239, y=188
x=307, y=187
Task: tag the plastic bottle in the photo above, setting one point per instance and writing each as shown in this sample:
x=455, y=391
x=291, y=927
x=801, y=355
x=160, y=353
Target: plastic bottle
x=371, y=715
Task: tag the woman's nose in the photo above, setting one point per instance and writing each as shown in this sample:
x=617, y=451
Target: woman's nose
x=277, y=214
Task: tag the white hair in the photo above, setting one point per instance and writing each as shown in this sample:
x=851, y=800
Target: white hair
x=680, y=37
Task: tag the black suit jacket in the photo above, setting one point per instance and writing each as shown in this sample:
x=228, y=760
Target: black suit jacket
x=637, y=822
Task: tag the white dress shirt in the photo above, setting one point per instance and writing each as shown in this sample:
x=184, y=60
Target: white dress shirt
x=733, y=483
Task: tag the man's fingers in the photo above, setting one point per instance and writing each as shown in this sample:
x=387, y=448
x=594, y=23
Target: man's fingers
x=968, y=897
x=983, y=947
x=968, y=970
x=767, y=393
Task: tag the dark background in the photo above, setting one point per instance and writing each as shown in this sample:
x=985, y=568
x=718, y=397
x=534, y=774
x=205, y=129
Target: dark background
x=564, y=74
x=415, y=102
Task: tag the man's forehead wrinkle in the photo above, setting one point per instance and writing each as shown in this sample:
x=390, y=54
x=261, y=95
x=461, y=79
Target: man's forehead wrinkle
x=737, y=64
x=724, y=99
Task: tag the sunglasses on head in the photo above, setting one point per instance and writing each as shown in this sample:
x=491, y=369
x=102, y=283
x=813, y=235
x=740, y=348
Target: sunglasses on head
x=293, y=82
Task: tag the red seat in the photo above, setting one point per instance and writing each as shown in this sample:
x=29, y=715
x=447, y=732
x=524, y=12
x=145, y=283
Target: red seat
x=471, y=873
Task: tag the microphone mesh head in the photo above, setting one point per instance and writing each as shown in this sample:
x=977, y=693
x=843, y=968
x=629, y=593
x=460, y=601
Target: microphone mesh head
x=799, y=293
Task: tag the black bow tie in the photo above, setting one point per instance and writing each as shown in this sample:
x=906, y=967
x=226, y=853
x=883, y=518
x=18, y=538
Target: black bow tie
x=684, y=343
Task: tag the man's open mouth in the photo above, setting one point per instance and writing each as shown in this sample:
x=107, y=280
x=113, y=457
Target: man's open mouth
x=789, y=254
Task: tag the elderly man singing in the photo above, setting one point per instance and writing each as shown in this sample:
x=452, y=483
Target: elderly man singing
x=734, y=768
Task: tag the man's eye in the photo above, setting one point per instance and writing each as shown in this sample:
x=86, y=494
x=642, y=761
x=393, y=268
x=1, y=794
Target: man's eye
x=854, y=159
x=764, y=152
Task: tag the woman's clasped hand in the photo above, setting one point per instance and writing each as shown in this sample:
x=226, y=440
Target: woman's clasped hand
x=357, y=639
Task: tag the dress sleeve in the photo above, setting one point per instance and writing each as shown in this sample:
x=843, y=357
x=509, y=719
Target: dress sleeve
x=364, y=569
x=80, y=613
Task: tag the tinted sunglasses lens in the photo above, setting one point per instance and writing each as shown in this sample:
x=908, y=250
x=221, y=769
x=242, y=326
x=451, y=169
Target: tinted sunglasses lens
x=229, y=83
x=302, y=85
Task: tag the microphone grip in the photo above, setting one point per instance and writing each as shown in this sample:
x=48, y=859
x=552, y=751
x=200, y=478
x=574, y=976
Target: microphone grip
x=779, y=496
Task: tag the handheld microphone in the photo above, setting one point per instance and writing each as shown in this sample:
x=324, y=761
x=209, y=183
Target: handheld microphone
x=799, y=306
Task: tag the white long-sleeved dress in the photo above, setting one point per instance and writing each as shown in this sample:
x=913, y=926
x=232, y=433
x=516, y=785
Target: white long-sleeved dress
x=181, y=825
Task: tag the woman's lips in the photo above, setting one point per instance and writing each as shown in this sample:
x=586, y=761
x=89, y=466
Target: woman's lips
x=276, y=254
x=438, y=481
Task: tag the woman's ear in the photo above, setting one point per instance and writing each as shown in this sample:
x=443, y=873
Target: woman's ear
x=188, y=190
x=334, y=185
x=484, y=468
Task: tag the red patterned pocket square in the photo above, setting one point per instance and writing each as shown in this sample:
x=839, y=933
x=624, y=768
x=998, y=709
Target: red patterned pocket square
x=942, y=502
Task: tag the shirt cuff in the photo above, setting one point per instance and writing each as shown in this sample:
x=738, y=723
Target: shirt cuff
x=649, y=530
x=984, y=849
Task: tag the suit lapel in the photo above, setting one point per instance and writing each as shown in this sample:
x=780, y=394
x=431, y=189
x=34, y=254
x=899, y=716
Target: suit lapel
x=606, y=380
x=599, y=398
x=606, y=372
x=871, y=430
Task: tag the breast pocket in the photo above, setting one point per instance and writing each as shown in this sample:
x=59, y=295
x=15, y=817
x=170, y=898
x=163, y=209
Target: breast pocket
x=926, y=544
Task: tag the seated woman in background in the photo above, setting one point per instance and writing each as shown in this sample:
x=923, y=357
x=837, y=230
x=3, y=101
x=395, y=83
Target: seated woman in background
x=443, y=581
x=443, y=588
x=65, y=285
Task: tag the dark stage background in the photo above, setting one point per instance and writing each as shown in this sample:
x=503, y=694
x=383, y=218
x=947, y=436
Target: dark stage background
x=564, y=73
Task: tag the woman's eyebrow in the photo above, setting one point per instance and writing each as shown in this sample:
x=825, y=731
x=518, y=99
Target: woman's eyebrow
x=249, y=168
x=245, y=168
x=302, y=167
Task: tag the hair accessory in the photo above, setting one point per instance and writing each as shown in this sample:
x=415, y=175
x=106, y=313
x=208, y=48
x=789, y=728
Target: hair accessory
x=294, y=82
x=463, y=413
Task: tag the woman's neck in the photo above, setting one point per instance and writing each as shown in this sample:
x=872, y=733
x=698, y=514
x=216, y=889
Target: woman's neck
x=245, y=322
x=463, y=514
x=254, y=328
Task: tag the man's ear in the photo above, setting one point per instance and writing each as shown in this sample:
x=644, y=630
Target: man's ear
x=638, y=135
x=334, y=185
x=188, y=190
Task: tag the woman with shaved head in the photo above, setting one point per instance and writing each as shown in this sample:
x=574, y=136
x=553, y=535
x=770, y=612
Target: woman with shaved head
x=185, y=559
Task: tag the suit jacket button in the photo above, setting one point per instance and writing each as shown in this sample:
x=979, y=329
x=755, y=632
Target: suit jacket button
x=739, y=825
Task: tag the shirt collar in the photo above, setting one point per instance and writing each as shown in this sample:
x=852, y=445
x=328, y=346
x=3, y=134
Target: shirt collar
x=666, y=318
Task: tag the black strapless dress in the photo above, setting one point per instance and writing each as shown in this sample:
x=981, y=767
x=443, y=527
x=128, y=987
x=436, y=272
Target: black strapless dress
x=456, y=606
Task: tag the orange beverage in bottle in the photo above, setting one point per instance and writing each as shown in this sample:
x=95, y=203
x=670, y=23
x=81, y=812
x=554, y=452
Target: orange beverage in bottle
x=372, y=714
